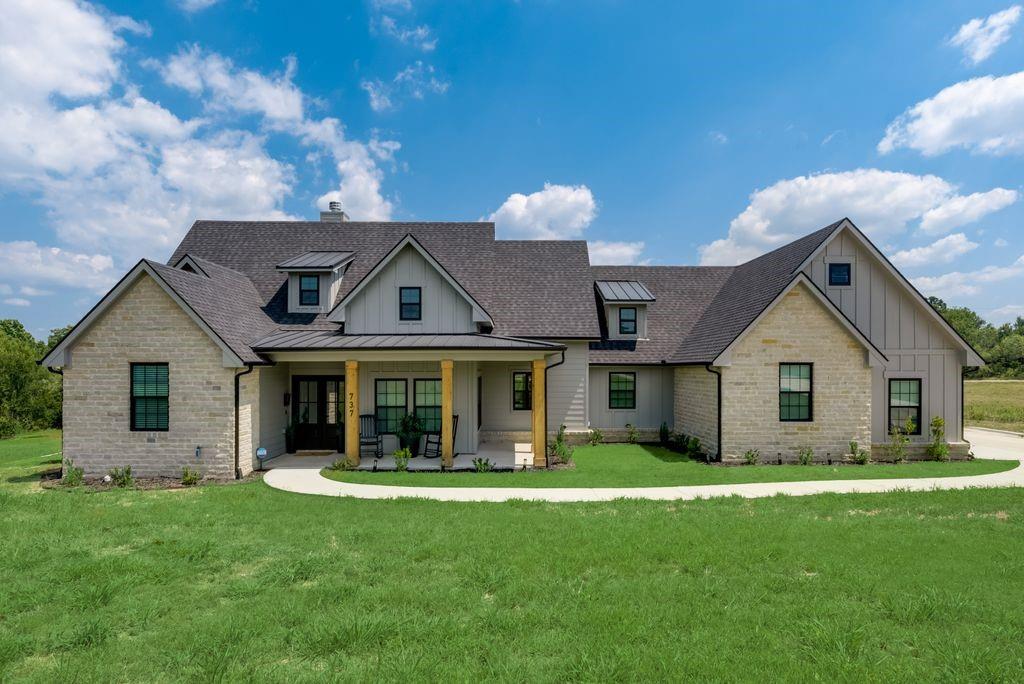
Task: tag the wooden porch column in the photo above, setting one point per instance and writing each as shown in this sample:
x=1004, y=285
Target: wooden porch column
x=447, y=445
x=352, y=412
x=539, y=412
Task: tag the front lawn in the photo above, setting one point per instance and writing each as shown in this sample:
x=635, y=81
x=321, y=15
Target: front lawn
x=995, y=404
x=635, y=465
x=247, y=582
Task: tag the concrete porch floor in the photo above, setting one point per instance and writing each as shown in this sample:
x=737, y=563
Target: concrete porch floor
x=504, y=456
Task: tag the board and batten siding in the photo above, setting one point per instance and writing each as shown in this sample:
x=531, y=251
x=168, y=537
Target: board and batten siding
x=274, y=384
x=902, y=328
x=374, y=310
x=654, y=398
x=330, y=284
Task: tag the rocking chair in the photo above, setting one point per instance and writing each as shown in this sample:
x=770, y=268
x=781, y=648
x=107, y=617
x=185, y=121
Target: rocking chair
x=370, y=441
x=432, y=443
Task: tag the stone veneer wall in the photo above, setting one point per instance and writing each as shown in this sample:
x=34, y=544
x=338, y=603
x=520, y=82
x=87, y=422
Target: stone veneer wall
x=695, y=405
x=798, y=330
x=145, y=324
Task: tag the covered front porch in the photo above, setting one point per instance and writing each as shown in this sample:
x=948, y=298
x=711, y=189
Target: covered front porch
x=332, y=404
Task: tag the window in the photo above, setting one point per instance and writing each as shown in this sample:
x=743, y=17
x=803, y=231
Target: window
x=149, y=397
x=905, y=403
x=522, y=391
x=622, y=390
x=410, y=304
x=390, y=404
x=840, y=275
x=795, y=382
x=309, y=290
x=427, y=403
x=627, y=320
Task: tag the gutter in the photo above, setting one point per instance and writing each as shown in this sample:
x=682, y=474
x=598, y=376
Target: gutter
x=249, y=368
x=546, y=407
x=709, y=369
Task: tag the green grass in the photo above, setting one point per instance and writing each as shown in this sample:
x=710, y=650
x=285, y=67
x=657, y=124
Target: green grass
x=633, y=465
x=995, y=404
x=246, y=582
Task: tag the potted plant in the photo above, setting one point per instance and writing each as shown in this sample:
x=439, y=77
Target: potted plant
x=410, y=430
x=289, y=438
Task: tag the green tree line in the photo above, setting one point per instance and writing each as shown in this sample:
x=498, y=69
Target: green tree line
x=30, y=395
x=1002, y=347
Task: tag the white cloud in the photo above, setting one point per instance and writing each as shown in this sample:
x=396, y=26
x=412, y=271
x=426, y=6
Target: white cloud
x=420, y=37
x=557, y=212
x=191, y=6
x=984, y=115
x=17, y=301
x=385, y=5
x=941, y=251
x=831, y=136
x=1006, y=313
x=25, y=261
x=1000, y=242
x=415, y=81
x=958, y=283
x=979, y=37
x=30, y=291
x=963, y=209
x=882, y=203
x=602, y=252
x=718, y=137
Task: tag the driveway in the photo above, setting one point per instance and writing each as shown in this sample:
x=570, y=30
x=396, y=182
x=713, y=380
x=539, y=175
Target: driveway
x=987, y=444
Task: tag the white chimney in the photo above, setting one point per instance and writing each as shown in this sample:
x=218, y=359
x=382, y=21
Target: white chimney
x=334, y=214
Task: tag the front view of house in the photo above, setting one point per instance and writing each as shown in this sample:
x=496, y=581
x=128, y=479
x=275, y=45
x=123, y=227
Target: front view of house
x=261, y=337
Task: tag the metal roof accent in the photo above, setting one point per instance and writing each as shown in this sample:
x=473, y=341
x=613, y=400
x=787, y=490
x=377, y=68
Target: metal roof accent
x=316, y=261
x=332, y=339
x=623, y=291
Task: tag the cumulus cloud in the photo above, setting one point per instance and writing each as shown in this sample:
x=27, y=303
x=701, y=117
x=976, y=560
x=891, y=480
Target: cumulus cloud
x=941, y=251
x=558, y=212
x=420, y=37
x=25, y=261
x=602, y=252
x=882, y=203
x=415, y=81
x=984, y=115
x=192, y=6
x=1006, y=313
x=979, y=37
x=17, y=301
x=959, y=283
x=963, y=209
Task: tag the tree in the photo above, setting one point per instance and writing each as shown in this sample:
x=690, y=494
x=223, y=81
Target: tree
x=30, y=396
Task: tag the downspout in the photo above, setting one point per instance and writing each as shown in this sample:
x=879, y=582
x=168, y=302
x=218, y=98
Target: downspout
x=249, y=368
x=60, y=372
x=709, y=369
x=546, y=407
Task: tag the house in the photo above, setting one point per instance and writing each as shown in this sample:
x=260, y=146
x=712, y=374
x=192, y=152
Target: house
x=253, y=326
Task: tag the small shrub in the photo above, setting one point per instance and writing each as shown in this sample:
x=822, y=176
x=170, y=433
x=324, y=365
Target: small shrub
x=805, y=456
x=483, y=465
x=560, y=451
x=751, y=456
x=694, y=447
x=122, y=477
x=858, y=455
x=189, y=477
x=896, y=449
x=596, y=437
x=679, y=442
x=663, y=434
x=8, y=427
x=72, y=476
x=631, y=433
x=938, y=449
x=340, y=464
x=402, y=457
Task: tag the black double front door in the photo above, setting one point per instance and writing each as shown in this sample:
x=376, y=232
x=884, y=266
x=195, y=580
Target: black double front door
x=317, y=411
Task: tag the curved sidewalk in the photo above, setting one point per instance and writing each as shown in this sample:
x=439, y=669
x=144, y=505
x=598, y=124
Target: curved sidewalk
x=310, y=481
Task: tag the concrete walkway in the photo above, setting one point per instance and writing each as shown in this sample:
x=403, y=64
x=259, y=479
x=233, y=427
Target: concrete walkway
x=987, y=444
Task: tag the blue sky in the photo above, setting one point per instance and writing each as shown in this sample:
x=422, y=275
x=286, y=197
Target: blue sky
x=660, y=132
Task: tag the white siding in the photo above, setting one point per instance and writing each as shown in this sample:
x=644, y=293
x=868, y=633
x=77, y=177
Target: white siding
x=654, y=400
x=902, y=328
x=330, y=283
x=375, y=309
x=567, y=389
x=274, y=383
x=497, y=397
x=611, y=312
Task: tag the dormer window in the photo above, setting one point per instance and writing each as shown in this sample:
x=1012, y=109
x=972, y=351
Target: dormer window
x=627, y=320
x=840, y=274
x=410, y=304
x=309, y=290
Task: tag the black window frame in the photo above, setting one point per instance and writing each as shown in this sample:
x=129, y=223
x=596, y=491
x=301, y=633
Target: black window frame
x=634, y=321
x=418, y=303
x=132, y=397
x=849, y=274
x=788, y=393
x=303, y=290
x=612, y=391
x=527, y=391
x=917, y=423
x=378, y=420
x=416, y=406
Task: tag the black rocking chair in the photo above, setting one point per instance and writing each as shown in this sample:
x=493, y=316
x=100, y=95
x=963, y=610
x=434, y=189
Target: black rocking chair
x=432, y=443
x=369, y=440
